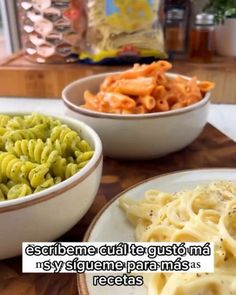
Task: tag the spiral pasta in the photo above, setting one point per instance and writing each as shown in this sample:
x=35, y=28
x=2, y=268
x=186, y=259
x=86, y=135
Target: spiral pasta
x=207, y=213
x=3, y=191
x=67, y=138
x=4, y=120
x=19, y=190
x=37, y=152
x=38, y=131
x=11, y=168
x=34, y=150
x=32, y=121
x=16, y=122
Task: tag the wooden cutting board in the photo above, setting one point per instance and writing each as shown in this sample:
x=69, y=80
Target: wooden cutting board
x=211, y=149
x=22, y=78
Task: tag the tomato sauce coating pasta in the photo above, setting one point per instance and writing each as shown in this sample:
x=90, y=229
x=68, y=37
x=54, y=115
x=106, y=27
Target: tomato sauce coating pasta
x=146, y=89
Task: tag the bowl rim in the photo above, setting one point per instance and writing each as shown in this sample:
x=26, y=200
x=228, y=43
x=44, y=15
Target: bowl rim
x=94, y=114
x=57, y=189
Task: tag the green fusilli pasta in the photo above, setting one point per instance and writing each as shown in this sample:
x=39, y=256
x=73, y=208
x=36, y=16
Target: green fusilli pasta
x=19, y=190
x=37, y=152
x=34, y=150
x=3, y=191
x=4, y=120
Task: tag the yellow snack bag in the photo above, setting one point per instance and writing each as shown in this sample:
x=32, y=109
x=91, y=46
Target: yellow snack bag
x=121, y=28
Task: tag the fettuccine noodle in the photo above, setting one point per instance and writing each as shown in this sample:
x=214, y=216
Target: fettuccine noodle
x=206, y=213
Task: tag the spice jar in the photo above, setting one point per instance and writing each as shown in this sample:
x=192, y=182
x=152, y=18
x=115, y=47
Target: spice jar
x=202, y=38
x=175, y=37
x=177, y=18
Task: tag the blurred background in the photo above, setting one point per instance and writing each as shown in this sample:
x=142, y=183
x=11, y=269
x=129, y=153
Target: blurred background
x=9, y=28
x=10, y=25
x=38, y=38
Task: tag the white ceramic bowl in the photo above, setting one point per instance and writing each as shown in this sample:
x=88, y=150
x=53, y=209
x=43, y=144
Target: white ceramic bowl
x=46, y=215
x=143, y=136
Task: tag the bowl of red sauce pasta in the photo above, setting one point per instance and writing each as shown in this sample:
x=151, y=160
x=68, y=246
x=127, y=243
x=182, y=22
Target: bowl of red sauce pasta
x=142, y=113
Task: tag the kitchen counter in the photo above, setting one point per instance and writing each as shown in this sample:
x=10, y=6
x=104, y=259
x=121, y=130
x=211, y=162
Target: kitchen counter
x=21, y=78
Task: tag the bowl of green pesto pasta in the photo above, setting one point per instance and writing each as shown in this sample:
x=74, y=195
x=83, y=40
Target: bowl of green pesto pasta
x=50, y=171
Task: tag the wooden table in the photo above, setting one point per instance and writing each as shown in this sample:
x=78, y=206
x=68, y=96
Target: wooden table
x=21, y=78
x=211, y=149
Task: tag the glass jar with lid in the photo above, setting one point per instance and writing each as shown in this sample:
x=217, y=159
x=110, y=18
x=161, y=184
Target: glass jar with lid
x=175, y=37
x=202, y=39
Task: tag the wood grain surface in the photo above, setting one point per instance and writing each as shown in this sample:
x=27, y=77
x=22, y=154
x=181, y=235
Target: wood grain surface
x=21, y=78
x=211, y=149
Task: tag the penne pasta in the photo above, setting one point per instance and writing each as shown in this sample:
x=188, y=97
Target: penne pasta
x=146, y=89
x=117, y=100
x=162, y=105
x=205, y=86
x=148, y=102
x=139, y=86
x=177, y=105
x=161, y=79
x=140, y=110
x=159, y=92
x=91, y=101
x=109, y=83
